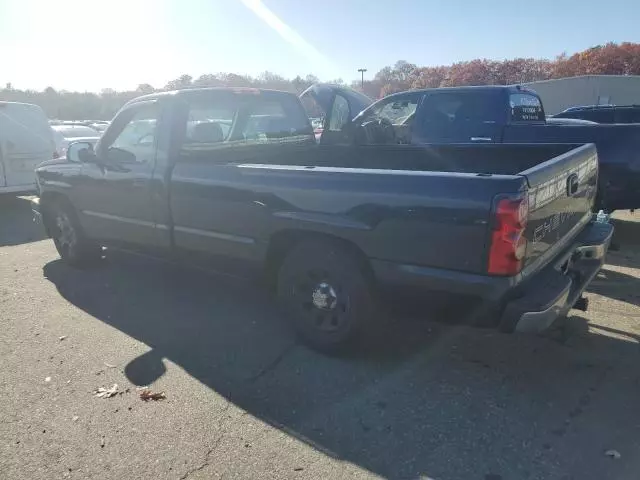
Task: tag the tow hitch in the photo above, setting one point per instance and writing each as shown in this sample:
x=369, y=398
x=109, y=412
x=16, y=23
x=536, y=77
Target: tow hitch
x=582, y=304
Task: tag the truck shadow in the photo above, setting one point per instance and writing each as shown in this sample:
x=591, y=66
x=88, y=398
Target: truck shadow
x=627, y=230
x=423, y=399
x=616, y=285
x=627, y=239
x=16, y=221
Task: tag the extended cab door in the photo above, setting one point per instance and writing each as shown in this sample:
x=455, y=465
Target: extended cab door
x=218, y=208
x=452, y=116
x=115, y=197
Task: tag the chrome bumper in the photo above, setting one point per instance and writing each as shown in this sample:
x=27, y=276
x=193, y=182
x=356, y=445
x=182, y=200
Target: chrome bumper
x=553, y=292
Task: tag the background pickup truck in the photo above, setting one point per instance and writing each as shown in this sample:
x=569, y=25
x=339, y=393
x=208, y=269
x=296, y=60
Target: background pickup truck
x=603, y=113
x=495, y=114
x=234, y=178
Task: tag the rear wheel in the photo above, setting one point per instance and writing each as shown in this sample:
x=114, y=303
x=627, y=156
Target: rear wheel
x=327, y=294
x=72, y=245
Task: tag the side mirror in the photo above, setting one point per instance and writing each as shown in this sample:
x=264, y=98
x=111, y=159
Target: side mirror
x=81, y=152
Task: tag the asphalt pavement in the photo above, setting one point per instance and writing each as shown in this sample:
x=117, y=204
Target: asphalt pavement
x=427, y=400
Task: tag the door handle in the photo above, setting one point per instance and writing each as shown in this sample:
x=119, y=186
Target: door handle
x=481, y=139
x=572, y=185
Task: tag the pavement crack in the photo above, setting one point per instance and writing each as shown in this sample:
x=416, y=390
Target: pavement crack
x=213, y=448
x=207, y=458
x=273, y=364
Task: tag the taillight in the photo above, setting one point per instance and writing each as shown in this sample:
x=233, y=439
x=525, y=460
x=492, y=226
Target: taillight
x=508, y=243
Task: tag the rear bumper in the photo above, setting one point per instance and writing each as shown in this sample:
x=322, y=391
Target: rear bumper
x=529, y=304
x=556, y=289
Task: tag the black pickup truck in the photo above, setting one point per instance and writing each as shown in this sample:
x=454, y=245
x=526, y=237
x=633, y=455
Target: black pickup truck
x=603, y=113
x=234, y=178
x=488, y=114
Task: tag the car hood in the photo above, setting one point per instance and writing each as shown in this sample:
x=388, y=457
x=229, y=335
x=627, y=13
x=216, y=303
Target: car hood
x=92, y=140
x=54, y=161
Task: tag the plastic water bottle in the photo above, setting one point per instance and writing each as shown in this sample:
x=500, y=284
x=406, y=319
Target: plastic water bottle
x=602, y=217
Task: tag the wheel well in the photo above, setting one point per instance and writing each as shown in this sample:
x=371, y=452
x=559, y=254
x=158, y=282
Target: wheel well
x=281, y=243
x=47, y=200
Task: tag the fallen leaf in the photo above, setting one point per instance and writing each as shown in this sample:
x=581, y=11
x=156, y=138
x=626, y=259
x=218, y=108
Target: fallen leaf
x=147, y=395
x=103, y=392
x=109, y=365
x=48, y=379
x=613, y=454
x=62, y=337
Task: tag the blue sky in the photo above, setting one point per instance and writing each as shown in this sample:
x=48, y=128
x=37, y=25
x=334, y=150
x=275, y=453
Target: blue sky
x=86, y=45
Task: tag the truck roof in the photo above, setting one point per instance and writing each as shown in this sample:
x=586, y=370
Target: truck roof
x=186, y=91
x=509, y=88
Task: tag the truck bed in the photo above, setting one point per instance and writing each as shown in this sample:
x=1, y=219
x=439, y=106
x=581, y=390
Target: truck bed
x=489, y=159
x=383, y=198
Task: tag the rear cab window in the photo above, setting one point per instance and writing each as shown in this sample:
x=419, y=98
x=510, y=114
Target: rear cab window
x=525, y=108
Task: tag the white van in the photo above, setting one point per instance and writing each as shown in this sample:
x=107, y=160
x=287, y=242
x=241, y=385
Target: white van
x=26, y=140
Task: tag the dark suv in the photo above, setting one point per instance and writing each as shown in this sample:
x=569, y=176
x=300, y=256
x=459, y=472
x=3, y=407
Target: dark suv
x=603, y=113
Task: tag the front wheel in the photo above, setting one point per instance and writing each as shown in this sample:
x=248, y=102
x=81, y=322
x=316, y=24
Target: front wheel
x=327, y=294
x=73, y=247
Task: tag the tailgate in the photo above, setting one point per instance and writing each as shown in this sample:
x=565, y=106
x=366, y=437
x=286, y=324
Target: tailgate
x=562, y=191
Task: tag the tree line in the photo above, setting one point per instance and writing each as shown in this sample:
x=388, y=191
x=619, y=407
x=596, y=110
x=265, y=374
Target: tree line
x=608, y=59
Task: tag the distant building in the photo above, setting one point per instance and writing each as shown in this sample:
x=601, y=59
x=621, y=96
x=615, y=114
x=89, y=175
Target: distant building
x=559, y=94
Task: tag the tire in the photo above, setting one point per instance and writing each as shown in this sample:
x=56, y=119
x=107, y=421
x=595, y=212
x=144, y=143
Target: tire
x=327, y=294
x=72, y=245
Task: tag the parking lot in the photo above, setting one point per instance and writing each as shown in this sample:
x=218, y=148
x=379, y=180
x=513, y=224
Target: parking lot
x=244, y=400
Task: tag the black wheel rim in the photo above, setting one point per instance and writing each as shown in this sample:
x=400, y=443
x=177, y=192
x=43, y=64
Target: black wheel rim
x=65, y=236
x=321, y=300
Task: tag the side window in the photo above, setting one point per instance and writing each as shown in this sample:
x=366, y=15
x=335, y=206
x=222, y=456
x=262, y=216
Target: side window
x=339, y=114
x=273, y=117
x=221, y=121
x=390, y=121
x=210, y=118
x=135, y=140
x=398, y=111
